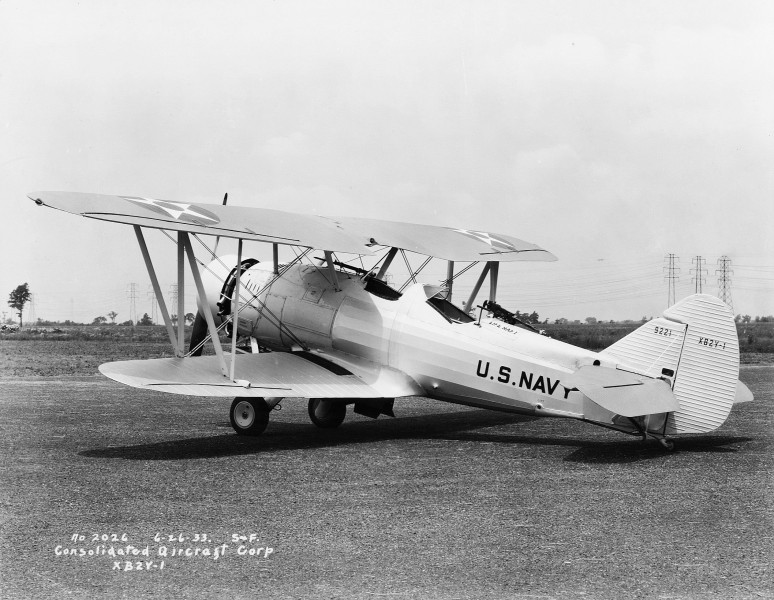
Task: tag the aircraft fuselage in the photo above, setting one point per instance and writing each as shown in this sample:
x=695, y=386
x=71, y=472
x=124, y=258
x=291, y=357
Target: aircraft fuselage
x=489, y=364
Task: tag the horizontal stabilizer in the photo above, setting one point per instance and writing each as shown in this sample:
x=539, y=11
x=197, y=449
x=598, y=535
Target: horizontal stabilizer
x=303, y=375
x=623, y=393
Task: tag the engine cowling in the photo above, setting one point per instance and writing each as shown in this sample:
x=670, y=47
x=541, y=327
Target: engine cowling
x=219, y=281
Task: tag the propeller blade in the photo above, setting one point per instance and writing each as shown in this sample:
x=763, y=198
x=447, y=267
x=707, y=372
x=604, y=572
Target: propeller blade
x=198, y=333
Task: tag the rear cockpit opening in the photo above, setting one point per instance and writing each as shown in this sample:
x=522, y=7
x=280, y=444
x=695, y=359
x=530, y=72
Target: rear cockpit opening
x=448, y=310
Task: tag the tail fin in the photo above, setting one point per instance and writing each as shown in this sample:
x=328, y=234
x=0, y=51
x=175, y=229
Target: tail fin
x=694, y=344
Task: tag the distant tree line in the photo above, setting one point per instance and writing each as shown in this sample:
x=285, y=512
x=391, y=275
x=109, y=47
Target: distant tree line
x=749, y=319
x=145, y=320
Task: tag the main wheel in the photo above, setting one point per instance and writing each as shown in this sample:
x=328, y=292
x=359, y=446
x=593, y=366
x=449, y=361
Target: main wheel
x=326, y=413
x=249, y=416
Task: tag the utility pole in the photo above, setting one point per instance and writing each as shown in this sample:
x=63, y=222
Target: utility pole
x=698, y=271
x=671, y=275
x=131, y=293
x=724, y=280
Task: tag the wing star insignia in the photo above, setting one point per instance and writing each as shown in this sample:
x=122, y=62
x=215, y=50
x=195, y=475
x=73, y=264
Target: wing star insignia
x=497, y=244
x=179, y=211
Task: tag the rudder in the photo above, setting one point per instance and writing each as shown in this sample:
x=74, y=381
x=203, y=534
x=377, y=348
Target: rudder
x=696, y=341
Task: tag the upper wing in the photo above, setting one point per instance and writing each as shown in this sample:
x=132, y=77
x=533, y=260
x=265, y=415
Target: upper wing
x=258, y=224
x=444, y=242
x=345, y=234
x=302, y=375
x=624, y=393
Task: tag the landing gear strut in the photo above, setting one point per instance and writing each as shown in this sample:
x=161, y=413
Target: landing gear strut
x=326, y=414
x=249, y=416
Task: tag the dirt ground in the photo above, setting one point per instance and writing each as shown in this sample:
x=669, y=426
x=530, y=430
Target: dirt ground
x=440, y=502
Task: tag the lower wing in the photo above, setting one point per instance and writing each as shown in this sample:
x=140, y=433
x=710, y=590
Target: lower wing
x=295, y=375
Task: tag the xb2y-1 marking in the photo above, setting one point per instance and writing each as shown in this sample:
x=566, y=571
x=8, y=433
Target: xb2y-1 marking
x=339, y=334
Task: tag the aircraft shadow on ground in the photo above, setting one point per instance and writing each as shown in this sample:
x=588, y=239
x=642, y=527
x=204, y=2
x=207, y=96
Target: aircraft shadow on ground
x=634, y=450
x=619, y=449
x=469, y=426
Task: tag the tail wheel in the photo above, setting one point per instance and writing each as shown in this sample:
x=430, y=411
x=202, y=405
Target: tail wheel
x=668, y=444
x=326, y=413
x=249, y=416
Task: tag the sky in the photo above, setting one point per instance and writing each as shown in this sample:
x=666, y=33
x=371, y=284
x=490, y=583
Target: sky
x=610, y=133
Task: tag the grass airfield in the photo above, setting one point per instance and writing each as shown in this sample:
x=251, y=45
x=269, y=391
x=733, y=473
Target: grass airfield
x=441, y=502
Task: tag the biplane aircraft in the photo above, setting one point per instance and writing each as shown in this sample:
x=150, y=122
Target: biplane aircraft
x=339, y=334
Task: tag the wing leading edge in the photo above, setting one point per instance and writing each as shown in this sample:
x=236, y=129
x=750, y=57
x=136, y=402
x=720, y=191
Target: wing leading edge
x=344, y=234
x=256, y=224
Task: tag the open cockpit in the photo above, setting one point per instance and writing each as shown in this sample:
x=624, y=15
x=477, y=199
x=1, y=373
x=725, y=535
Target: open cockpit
x=447, y=309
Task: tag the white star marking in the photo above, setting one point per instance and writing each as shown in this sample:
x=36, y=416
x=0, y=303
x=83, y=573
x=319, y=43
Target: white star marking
x=495, y=243
x=177, y=210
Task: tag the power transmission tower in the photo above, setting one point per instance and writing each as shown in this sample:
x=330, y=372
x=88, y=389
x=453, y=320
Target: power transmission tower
x=699, y=272
x=173, y=297
x=131, y=293
x=154, y=304
x=672, y=275
x=724, y=281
